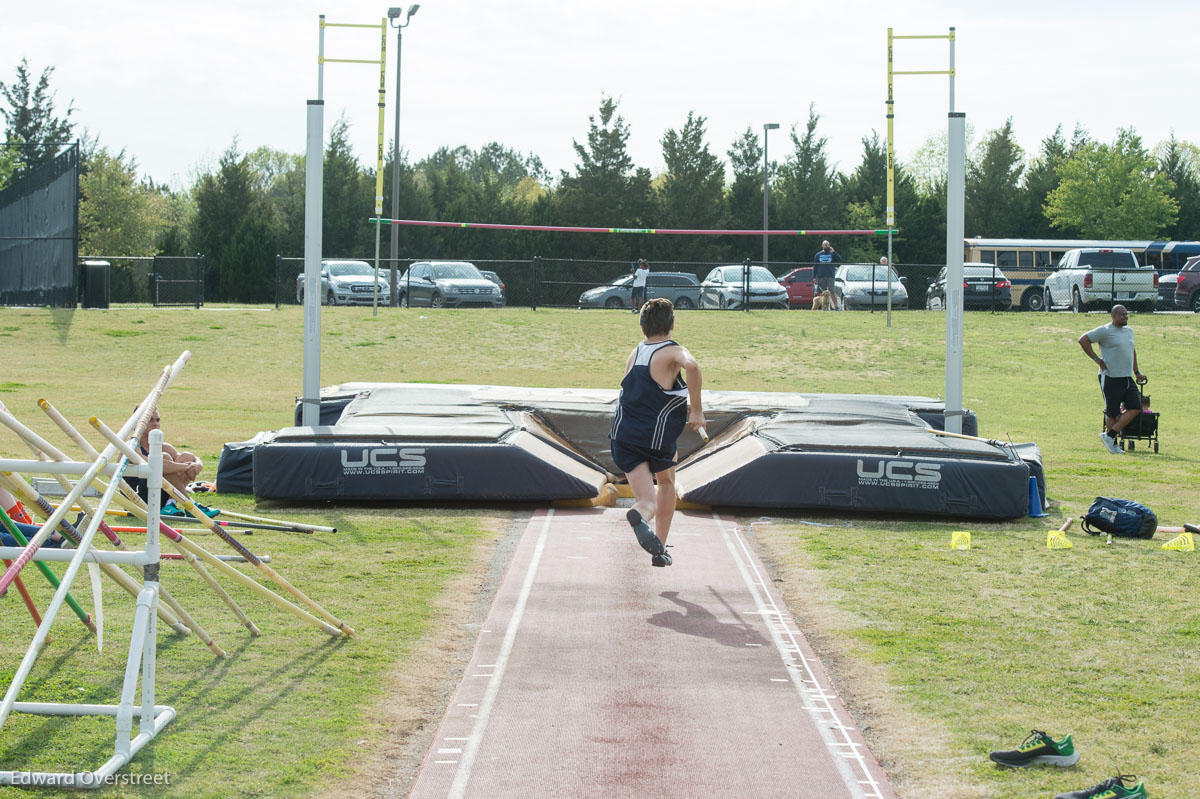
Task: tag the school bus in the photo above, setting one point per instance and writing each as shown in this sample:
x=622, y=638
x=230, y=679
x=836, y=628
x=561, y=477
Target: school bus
x=1026, y=262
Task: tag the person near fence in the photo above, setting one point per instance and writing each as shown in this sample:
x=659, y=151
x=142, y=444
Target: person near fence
x=641, y=270
x=824, y=268
x=654, y=406
x=1118, y=375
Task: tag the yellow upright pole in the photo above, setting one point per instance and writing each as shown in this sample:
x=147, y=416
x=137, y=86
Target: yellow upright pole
x=379, y=161
x=891, y=151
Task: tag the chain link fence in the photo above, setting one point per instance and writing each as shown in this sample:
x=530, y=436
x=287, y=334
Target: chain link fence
x=158, y=281
x=549, y=282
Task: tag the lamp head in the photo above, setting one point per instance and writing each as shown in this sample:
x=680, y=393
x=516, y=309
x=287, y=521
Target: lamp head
x=771, y=126
x=412, y=10
x=394, y=13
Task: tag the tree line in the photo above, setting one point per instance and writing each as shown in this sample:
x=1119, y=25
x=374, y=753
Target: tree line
x=250, y=205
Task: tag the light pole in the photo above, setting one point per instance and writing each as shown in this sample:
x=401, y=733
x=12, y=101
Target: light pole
x=395, y=14
x=766, y=172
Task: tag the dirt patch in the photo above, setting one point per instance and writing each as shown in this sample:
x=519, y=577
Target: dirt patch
x=406, y=717
x=915, y=751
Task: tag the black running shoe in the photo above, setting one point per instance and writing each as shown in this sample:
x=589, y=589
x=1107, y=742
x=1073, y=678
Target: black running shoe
x=1122, y=786
x=1039, y=748
x=661, y=559
x=645, y=535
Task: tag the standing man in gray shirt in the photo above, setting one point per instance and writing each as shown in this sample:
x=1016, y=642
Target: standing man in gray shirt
x=1118, y=372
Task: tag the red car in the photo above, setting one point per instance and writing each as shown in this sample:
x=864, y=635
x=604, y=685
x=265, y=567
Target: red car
x=1187, y=290
x=799, y=285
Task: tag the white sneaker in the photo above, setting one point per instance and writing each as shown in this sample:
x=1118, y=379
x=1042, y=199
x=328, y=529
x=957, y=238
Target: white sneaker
x=1110, y=444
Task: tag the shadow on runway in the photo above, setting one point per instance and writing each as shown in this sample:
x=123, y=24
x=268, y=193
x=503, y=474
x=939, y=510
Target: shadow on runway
x=700, y=621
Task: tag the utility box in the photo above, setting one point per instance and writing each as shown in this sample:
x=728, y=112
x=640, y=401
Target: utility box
x=96, y=276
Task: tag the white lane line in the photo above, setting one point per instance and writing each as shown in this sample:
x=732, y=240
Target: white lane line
x=462, y=775
x=789, y=648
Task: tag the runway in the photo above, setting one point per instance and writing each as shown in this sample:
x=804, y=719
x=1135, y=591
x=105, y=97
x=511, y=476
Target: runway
x=596, y=674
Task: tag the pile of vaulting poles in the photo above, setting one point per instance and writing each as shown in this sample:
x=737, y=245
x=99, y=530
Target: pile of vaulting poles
x=121, y=447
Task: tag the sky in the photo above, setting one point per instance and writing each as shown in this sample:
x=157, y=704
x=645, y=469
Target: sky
x=173, y=84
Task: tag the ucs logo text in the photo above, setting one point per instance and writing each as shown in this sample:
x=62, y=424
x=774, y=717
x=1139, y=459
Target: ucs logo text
x=901, y=472
x=384, y=460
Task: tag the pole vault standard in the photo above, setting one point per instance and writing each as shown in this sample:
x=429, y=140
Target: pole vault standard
x=314, y=177
x=955, y=188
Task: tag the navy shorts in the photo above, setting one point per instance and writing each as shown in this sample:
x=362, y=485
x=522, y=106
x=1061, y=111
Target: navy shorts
x=1118, y=390
x=630, y=456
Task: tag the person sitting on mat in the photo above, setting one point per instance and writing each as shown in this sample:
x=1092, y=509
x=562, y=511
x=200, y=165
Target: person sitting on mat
x=653, y=407
x=179, y=469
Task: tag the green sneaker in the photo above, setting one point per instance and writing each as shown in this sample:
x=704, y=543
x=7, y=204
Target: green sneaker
x=1115, y=788
x=1038, y=748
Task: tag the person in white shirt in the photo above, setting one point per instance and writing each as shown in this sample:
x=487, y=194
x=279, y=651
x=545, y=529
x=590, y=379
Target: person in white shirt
x=638, y=298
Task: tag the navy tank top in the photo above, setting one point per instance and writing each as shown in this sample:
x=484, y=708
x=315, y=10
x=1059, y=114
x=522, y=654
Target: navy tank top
x=649, y=415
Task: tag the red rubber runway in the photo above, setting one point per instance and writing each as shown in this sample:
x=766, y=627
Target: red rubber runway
x=596, y=674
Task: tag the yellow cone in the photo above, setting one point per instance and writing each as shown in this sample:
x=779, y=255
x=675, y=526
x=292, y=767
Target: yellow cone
x=960, y=540
x=1181, y=543
x=1057, y=539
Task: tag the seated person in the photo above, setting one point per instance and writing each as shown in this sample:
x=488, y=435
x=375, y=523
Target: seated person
x=179, y=469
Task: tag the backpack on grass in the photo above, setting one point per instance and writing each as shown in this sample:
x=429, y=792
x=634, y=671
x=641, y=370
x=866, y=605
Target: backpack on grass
x=1120, y=517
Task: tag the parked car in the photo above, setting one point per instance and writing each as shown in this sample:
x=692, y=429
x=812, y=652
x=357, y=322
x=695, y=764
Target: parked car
x=346, y=283
x=866, y=286
x=799, y=286
x=726, y=287
x=450, y=284
x=984, y=286
x=681, y=288
x=1166, y=292
x=492, y=276
x=1187, y=289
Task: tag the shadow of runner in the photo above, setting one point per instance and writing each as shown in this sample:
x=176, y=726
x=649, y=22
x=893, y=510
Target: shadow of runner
x=700, y=621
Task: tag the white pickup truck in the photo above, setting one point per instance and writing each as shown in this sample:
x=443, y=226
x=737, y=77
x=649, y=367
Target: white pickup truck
x=1101, y=277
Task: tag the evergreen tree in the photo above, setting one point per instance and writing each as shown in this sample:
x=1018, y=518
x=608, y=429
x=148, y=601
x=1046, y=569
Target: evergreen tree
x=349, y=199
x=606, y=190
x=1179, y=161
x=30, y=118
x=811, y=190
x=994, y=204
x=692, y=194
x=223, y=200
x=746, y=190
x=1041, y=178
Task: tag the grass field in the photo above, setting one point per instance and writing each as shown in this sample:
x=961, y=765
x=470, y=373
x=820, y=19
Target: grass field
x=941, y=655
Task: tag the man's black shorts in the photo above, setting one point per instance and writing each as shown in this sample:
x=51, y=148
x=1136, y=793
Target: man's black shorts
x=629, y=456
x=1119, y=390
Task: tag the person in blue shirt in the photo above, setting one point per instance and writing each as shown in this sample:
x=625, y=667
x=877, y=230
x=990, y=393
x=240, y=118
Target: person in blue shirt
x=825, y=264
x=1118, y=374
x=654, y=406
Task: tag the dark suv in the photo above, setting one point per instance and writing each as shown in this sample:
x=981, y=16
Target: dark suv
x=1187, y=289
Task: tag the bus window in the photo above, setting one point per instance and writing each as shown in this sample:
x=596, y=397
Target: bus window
x=1025, y=258
x=1044, y=261
x=1006, y=259
x=987, y=256
x=1056, y=256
